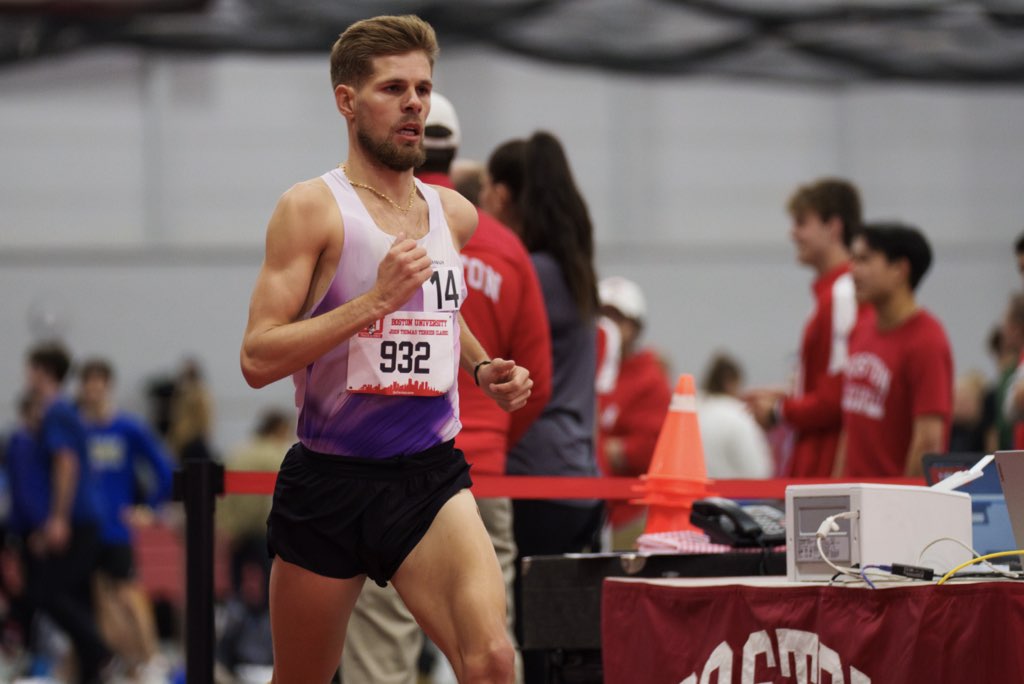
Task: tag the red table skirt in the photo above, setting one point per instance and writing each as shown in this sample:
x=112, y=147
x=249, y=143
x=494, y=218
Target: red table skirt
x=677, y=634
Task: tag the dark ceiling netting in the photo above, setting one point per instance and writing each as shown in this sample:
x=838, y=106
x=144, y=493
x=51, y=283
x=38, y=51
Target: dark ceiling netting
x=823, y=41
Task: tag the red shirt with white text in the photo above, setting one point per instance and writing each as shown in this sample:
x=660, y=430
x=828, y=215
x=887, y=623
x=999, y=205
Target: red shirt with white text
x=892, y=378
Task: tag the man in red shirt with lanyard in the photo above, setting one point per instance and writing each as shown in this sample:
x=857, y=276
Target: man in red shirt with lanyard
x=505, y=309
x=825, y=214
x=898, y=384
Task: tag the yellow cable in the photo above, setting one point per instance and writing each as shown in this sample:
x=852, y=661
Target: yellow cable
x=979, y=559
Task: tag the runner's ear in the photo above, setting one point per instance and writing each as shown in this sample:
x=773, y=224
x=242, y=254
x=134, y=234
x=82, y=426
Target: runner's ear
x=344, y=100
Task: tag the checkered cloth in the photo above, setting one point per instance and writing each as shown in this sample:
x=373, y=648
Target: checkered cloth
x=688, y=542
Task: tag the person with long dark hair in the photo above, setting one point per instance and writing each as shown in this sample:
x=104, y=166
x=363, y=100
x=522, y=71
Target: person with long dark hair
x=530, y=187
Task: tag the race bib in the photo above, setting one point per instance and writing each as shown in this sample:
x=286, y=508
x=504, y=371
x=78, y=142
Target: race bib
x=406, y=353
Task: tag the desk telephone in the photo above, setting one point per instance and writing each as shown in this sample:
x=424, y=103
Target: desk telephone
x=727, y=522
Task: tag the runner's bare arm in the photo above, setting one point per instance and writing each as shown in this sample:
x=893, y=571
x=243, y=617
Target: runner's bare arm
x=462, y=218
x=501, y=379
x=839, y=464
x=277, y=341
x=927, y=438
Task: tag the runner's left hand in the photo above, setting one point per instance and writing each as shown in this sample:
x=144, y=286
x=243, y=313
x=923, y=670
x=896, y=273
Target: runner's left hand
x=506, y=383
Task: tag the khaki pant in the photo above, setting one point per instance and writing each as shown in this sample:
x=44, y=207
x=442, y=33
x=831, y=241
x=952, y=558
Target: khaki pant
x=383, y=640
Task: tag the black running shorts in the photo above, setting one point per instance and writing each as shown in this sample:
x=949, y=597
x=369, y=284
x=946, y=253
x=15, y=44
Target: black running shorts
x=343, y=516
x=117, y=561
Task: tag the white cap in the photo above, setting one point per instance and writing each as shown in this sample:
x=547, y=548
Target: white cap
x=441, y=131
x=623, y=294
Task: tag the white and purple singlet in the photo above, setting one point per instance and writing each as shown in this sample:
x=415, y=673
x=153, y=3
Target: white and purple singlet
x=390, y=389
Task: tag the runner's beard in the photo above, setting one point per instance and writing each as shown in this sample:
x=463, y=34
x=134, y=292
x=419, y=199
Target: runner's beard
x=395, y=157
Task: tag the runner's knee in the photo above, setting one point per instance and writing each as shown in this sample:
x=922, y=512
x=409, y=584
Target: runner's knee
x=494, y=663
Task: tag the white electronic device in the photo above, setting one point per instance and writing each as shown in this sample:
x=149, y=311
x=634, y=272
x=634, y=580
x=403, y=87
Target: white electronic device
x=890, y=524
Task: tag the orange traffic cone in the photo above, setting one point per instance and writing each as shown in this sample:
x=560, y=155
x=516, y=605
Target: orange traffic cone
x=677, y=475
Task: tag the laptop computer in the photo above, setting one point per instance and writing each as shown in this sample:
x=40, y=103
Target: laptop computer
x=991, y=522
x=1010, y=466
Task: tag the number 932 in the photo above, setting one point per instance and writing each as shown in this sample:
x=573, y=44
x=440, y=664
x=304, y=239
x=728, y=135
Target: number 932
x=404, y=357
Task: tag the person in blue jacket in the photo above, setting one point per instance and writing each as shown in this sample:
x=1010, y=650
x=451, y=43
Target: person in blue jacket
x=131, y=467
x=23, y=480
x=57, y=515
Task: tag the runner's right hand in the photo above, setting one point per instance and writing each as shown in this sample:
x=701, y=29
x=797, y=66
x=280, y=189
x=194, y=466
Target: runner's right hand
x=403, y=270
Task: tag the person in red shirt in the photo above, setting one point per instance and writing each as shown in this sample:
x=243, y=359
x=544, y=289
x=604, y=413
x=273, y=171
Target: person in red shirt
x=898, y=385
x=825, y=214
x=630, y=415
x=505, y=309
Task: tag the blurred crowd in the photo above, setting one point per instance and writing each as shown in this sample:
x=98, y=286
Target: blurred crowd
x=86, y=490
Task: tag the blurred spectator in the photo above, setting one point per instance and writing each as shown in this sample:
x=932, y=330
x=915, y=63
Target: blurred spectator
x=898, y=387
x=245, y=639
x=966, y=430
x=530, y=188
x=467, y=177
x=825, y=215
x=57, y=513
x=244, y=518
x=20, y=456
x=159, y=394
x=991, y=417
x=1018, y=248
x=609, y=359
x=631, y=414
x=131, y=465
x=1007, y=346
x=191, y=410
x=735, y=446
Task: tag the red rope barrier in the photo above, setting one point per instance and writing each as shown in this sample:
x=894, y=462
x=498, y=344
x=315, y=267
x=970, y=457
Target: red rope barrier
x=249, y=482
x=535, y=487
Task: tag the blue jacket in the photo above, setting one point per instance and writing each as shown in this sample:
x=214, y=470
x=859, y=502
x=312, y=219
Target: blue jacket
x=30, y=466
x=125, y=454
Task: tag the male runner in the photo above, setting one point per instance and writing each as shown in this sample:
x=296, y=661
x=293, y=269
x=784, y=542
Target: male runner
x=358, y=298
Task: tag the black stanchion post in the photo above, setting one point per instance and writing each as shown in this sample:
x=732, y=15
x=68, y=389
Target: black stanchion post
x=198, y=484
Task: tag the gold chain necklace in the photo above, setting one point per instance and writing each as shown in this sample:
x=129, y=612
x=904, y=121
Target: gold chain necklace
x=378, y=193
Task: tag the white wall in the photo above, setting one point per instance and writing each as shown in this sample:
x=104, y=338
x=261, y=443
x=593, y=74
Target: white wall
x=134, y=191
